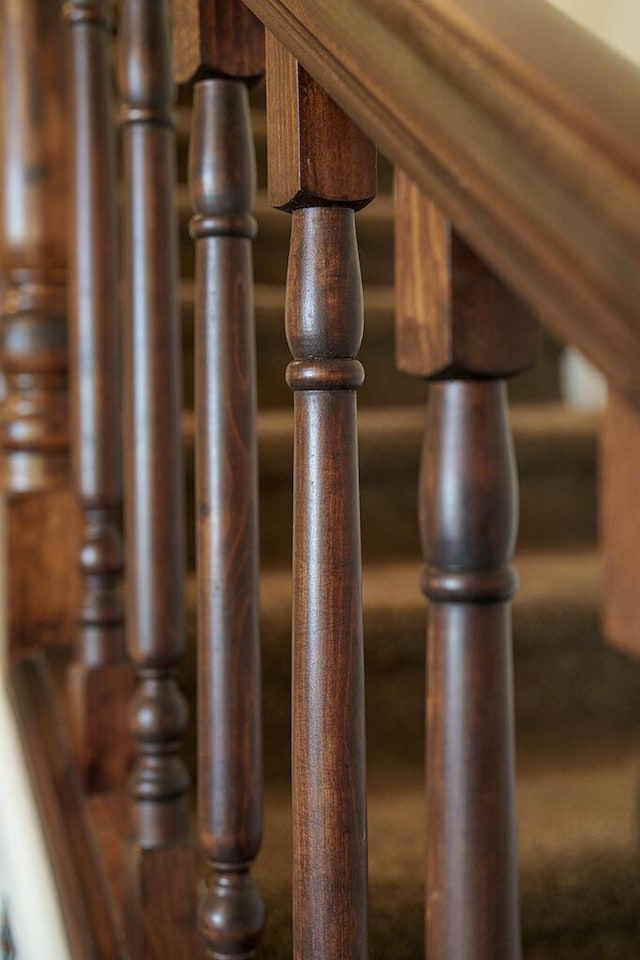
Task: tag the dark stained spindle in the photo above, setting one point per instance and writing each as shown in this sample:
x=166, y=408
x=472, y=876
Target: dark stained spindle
x=100, y=679
x=41, y=521
x=154, y=516
x=322, y=168
x=224, y=56
x=33, y=255
x=458, y=326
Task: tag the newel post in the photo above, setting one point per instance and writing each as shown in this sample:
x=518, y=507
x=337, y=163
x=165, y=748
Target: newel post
x=461, y=329
x=322, y=169
x=219, y=46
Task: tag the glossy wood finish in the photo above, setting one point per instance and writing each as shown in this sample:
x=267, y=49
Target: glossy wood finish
x=468, y=523
x=324, y=329
x=41, y=522
x=454, y=315
x=33, y=413
x=324, y=325
x=318, y=154
x=100, y=682
x=222, y=184
x=154, y=519
x=458, y=326
x=215, y=38
x=528, y=141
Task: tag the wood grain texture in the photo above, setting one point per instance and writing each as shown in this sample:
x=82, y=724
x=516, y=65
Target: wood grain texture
x=100, y=687
x=316, y=154
x=85, y=901
x=222, y=183
x=154, y=516
x=43, y=586
x=620, y=522
x=215, y=38
x=527, y=140
x=33, y=180
x=454, y=317
x=468, y=523
x=160, y=904
x=324, y=328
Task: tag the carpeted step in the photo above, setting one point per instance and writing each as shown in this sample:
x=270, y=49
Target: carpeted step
x=384, y=385
x=573, y=693
x=555, y=449
x=580, y=882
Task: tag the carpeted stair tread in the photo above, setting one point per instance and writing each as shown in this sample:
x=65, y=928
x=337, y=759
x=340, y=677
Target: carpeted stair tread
x=572, y=691
x=384, y=385
x=579, y=876
x=555, y=450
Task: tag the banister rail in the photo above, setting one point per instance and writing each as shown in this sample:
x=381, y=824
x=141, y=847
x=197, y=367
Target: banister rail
x=521, y=126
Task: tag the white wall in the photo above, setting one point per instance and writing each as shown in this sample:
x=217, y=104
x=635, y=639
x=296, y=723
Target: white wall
x=27, y=886
x=617, y=22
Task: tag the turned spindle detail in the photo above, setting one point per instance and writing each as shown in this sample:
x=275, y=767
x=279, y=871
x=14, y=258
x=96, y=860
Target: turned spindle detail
x=221, y=45
x=468, y=524
x=459, y=327
x=34, y=431
x=322, y=169
x=154, y=515
x=41, y=528
x=100, y=679
x=33, y=256
x=222, y=183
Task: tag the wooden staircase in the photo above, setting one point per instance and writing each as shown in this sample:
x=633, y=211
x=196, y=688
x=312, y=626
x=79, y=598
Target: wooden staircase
x=577, y=702
x=126, y=712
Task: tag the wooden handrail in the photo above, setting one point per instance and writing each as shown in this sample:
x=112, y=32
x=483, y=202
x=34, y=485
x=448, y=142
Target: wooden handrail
x=523, y=128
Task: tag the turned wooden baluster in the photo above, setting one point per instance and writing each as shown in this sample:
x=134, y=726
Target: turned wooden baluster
x=34, y=471
x=459, y=327
x=100, y=679
x=153, y=452
x=33, y=424
x=322, y=169
x=222, y=44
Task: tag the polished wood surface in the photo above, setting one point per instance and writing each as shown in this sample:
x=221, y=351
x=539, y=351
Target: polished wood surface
x=453, y=314
x=458, y=326
x=468, y=522
x=215, y=38
x=528, y=140
x=324, y=326
x=100, y=682
x=41, y=517
x=33, y=255
x=222, y=184
x=154, y=514
x=318, y=153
